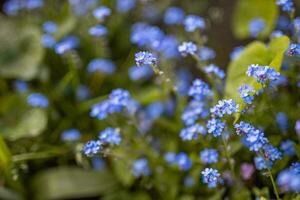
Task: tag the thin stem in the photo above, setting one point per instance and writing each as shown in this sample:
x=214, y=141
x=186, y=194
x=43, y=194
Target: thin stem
x=227, y=155
x=35, y=155
x=273, y=184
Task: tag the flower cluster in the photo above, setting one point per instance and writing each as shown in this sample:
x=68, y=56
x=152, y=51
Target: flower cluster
x=262, y=73
x=224, y=107
x=211, y=177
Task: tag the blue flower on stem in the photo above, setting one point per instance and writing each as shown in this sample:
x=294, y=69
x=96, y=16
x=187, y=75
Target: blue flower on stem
x=174, y=15
x=98, y=31
x=192, y=132
x=110, y=136
x=140, y=168
x=183, y=161
x=246, y=93
x=145, y=58
x=210, y=177
x=209, y=156
x=38, y=100
x=215, y=127
x=187, y=48
x=224, y=107
x=104, y=66
x=92, y=148
x=199, y=90
x=192, y=23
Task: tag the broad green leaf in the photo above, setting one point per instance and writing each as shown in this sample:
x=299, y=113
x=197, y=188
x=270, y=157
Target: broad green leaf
x=32, y=123
x=247, y=10
x=254, y=53
x=20, y=50
x=71, y=183
x=123, y=172
x=5, y=157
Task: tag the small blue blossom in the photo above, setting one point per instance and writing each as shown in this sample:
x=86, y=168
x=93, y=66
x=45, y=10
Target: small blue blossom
x=224, y=107
x=187, y=48
x=21, y=86
x=276, y=34
x=140, y=168
x=12, y=7
x=272, y=153
x=170, y=157
x=293, y=50
x=104, y=66
x=183, y=161
x=101, y=13
x=246, y=93
x=124, y=6
x=140, y=72
x=243, y=128
x=67, y=44
x=194, y=111
x=188, y=181
x=192, y=23
x=210, y=177
x=192, y=132
x=38, y=100
x=256, y=26
x=206, y=53
x=255, y=139
x=145, y=58
x=296, y=167
x=199, y=90
x=98, y=163
x=282, y=121
x=262, y=73
x=209, y=156
x=98, y=31
x=236, y=52
x=215, y=127
x=82, y=92
x=286, y=5
x=154, y=110
x=184, y=78
x=92, y=148
x=174, y=15
x=296, y=24
x=119, y=97
x=287, y=147
x=297, y=127
x=81, y=7
x=261, y=163
x=288, y=181
x=145, y=35
x=168, y=47
x=110, y=136
x=49, y=27
x=48, y=41
x=70, y=135
x=214, y=70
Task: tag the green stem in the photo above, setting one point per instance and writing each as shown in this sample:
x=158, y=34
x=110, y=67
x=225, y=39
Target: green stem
x=273, y=184
x=36, y=155
x=227, y=155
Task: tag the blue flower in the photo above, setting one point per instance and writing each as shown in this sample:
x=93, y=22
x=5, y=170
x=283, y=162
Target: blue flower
x=168, y=47
x=81, y=7
x=67, y=44
x=272, y=153
x=297, y=127
x=50, y=27
x=101, y=13
x=82, y=92
x=92, y=148
x=21, y=86
x=261, y=163
x=104, y=66
x=236, y=52
x=293, y=50
x=145, y=35
x=286, y=5
x=287, y=147
x=140, y=73
x=187, y=48
x=206, y=53
x=262, y=73
x=246, y=93
x=192, y=132
x=243, y=128
x=145, y=58
x=38, y=100
x=98, y=163
x=288, y=180
x=296, y=167
x=255, y=140
x=192, y=23
x=183, y=161
x=184, y=78
x=199, y=90
x=174, y=15
x=282, y=121
x=296, y=24
x=209, y=156
x=48, y=41
x=214, y=70
x=215, y=127
x=276, y=34
x=194, y=111
x=170, y=157
x=98, y=31
x=210, y=177
x=224, y=107
x=110, y=136
x=256, y=26
x=70, y=135
x=140, y=168
x=188, y=181
x=124, y=6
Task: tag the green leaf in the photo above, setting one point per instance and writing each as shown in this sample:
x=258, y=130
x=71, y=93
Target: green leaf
x=32, y=123
x=20, y=55
x=254, y=53
x=246, y=10
x=5, y=156
x=71, y=183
